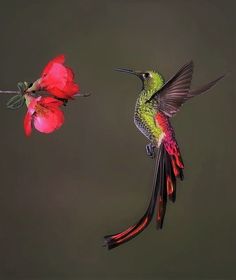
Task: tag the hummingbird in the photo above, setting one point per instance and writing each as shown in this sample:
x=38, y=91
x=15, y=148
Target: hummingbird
x=157, y=102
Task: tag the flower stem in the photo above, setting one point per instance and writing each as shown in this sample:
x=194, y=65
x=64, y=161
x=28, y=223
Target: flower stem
x=10, y=91
x=82, y=94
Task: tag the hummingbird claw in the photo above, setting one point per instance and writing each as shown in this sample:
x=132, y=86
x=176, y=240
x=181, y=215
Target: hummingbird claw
x=150, y=150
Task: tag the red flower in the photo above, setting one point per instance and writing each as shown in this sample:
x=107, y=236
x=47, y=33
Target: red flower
x=57, y=79
x=45, y=114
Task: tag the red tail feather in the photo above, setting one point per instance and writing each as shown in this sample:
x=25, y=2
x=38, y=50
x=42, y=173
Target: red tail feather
x=167, y=168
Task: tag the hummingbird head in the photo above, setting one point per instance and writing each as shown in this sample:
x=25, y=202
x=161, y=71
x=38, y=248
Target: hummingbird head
x=151, y=80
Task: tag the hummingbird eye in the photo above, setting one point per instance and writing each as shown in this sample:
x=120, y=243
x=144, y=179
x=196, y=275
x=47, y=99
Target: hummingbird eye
x=146, y=75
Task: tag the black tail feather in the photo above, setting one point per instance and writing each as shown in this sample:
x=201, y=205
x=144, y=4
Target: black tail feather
x=167, y=187
x=162, y=196
x=164, y=185
x=115, y=240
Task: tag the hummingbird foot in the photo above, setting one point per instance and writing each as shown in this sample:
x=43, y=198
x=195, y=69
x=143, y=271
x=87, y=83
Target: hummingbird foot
x=150, y=150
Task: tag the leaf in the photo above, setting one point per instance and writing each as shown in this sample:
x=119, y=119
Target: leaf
x=22, y=86
x=16, y=102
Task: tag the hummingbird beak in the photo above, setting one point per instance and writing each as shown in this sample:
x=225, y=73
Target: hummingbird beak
x=129, y=71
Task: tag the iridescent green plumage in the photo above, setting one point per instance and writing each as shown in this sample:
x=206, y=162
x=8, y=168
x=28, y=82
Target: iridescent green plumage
x=144, y=114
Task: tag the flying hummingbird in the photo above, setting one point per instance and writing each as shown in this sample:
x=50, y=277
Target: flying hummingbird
x=157, y=102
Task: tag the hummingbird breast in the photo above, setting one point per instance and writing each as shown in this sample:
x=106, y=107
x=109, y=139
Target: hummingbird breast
x=144, y=119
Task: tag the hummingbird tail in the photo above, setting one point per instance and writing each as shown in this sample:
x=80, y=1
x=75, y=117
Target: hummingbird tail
x=168, y=167
x=172, y=169
x=114, y=240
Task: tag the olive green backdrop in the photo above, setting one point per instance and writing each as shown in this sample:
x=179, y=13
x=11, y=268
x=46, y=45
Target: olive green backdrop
x=61, y=193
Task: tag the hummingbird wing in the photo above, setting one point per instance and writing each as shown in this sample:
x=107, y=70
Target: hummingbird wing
x=203, y=88
x=174, y=93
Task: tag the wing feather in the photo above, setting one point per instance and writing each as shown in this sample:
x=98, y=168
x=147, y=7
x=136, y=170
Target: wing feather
x=173, y=94
x=176, y=91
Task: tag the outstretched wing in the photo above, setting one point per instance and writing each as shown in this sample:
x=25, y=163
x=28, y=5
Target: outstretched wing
x=174, y=93
x=204, y=88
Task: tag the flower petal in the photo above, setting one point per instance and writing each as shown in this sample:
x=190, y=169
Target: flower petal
x=50, y=121
x=59, y=59
x=58, y=93
x=58, y=79
x=70, y=74
x=51, y=101
x=27, y=124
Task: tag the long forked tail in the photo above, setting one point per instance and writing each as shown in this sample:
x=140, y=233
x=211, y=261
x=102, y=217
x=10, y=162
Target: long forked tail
x=164, y=185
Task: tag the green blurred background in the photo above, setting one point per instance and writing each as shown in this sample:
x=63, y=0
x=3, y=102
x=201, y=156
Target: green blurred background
x=61, y=193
